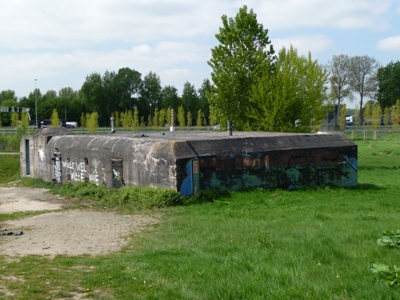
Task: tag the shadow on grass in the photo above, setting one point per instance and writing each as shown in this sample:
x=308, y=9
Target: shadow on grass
x=367, y=186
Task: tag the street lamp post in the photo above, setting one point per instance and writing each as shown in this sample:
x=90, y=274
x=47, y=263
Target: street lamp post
x=36, y=106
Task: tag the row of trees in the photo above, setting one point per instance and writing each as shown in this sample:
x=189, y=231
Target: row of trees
x=362, y=76
x=111, y=93
x=254, y=87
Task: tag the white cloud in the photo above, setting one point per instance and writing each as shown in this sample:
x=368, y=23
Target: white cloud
x=389, y=44
x=344, y=14
x=304, y=43
x=60, y=42
x=49, y=24
x=46, y=24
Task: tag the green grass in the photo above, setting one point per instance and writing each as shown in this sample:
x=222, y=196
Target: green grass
x=261, y=244
x=9, y=167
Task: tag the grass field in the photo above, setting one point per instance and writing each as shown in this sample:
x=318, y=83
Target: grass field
x=262, y=244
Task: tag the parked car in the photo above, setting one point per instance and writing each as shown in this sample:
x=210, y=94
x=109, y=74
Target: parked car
x=47, y=123
x=71, y=124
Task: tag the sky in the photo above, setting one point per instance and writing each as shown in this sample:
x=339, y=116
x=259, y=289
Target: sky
x=52, y=44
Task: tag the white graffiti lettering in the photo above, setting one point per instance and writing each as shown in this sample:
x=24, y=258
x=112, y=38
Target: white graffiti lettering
x=41, y=155
x=57, y=169
x=94, y=177
x=76, y=169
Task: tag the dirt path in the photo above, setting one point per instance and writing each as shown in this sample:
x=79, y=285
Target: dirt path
x=69, y=232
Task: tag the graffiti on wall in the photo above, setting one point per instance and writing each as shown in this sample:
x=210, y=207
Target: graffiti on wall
x=57, y=168
x=78, y=171
x=41, y=155
x=282, y=169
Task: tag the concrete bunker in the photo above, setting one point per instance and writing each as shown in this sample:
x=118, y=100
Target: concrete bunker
x=191, y=161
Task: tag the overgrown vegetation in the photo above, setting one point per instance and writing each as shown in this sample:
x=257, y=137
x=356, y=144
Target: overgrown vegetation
x=11, y=142
x=259, y=244
x=9, y=167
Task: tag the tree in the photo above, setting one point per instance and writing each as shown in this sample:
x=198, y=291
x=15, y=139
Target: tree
x=203, y=93
x=94, y=94
x=150, y=94
x=70, y=104
x=6, y=117
x=244, y=54
x=135, y=121
x=14, y=119
x=199, y=119
x=291, y=99
x=181, y=116
x=128, y=83
x=388, y=84
x=162, y=117
x=55, y=120
x=376, y=117
x=342, y=117
x=190, y=101
x=170, y=97
x=24, y=120
x=92, y=122
x=363, y=77
x=339, y=69
x=396, y=115
x=7, y=95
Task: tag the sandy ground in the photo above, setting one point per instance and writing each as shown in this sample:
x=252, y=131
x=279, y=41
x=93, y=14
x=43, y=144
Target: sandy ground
x=58, y=231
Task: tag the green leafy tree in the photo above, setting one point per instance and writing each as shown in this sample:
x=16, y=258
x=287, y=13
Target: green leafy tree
x=92, y=122
x=190, y=100
x=388, y=84
x=6, y=117
x=203, y=93
x=386, y=116
x=142, y=122
x=24, y=120
x=189, y=119
x=291, y=99
x=242, y=57
x=150, y=95
x=116, y=116
x=83, y=120
x=162, y=117
x=156, y=117
x=199, y=119
x=376, y=114
x=8, y=95
x=169, y=117
x=127, y=85
x=396, y=115
x=14, y=119
x=368, y=113
x=70, y=104
x=55, y=120
x=181, y=116
x=126, y=119
x=170, y=98
x=94, y=93
x=135, y=122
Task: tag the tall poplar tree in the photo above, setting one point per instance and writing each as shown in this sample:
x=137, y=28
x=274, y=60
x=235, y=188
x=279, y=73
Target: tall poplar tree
x=244, y=53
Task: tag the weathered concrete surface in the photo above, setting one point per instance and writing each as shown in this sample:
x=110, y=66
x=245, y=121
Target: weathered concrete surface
x=191, y=161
